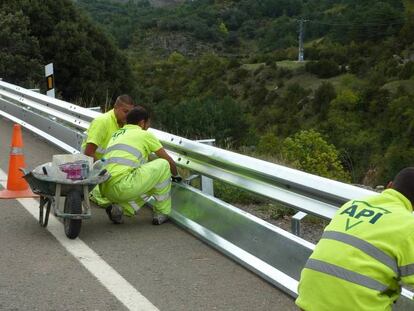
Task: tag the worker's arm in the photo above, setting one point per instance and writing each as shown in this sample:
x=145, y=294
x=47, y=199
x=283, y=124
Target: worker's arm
x=90, y=150
x=161, y=153
x=96, y=136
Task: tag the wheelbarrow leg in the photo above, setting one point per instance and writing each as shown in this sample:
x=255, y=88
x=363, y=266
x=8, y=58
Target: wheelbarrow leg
x=44, y=219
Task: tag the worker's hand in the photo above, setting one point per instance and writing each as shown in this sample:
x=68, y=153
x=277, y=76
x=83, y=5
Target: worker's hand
x=176, y=178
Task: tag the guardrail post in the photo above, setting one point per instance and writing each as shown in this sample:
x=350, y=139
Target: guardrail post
x=97, y=108
x=207, y=185
x=296, y=219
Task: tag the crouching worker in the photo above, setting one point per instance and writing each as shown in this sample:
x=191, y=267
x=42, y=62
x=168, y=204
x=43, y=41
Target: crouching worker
x=132, y=176
x=100, y=132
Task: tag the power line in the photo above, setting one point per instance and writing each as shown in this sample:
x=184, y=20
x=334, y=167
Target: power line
x=361, y=26
x=357, y=24
x=352, y=24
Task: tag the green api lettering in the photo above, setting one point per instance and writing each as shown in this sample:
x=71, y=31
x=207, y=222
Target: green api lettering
x=118, y=133
x=363, y=214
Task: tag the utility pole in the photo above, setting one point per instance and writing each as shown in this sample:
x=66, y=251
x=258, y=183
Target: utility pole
x=301, y=54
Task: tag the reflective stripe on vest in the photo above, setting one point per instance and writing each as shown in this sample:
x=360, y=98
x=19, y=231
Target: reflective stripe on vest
x=345, y=274
x=407, y=270
x=163, y=184
x=161, y=197
x=100, y=150
x=127, y=148
x=122, y=161
x=363, y=246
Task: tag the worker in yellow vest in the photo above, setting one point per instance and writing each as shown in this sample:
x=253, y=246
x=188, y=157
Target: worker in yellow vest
x=365, y=253
x=132, y=177
x=100, y=132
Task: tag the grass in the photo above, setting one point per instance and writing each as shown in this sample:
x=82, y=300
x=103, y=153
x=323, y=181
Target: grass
x=393, y=86
x=287, y=64
x=346, y=80
x=252, y=67
x=336, y=9
x=291, y=64
x=310, y=81
x=409, y=5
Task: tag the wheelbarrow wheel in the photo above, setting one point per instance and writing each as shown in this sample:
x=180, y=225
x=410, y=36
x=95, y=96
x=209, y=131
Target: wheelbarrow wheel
x=73, y=205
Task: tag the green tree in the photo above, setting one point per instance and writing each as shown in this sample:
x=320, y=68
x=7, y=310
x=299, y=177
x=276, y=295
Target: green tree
x=308, y=151
x=87, y=64
x=396, y=157
x=20, y=58
x=207, y=118
x=325, y=68
x=269, y=144
x=324, y=94
x=223, y=29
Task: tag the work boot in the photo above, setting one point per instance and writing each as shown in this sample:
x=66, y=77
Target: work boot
x=114, y=213
x=159, y=219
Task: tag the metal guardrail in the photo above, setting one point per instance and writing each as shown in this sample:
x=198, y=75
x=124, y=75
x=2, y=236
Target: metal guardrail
x=276, y=255
x=302, y=191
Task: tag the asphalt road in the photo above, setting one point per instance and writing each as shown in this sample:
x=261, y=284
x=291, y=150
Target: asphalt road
x=168, y=266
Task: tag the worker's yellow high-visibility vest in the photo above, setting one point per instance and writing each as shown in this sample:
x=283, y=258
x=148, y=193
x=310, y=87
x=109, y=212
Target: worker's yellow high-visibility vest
x=100, y=132
x=128, y=148
x=132, y=178
x=366, y=250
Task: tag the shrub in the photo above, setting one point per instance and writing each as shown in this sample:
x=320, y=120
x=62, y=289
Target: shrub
x=308, y=151
x=324, y=68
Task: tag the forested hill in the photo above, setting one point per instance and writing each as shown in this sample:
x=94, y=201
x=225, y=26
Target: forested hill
x=245, y=26
x=88, y=66
x=227, y=69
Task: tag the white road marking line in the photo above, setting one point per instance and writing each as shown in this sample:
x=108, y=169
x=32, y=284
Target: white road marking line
x=106, y=275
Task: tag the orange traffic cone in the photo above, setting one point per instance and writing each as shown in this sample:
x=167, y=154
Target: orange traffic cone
x=17, y=187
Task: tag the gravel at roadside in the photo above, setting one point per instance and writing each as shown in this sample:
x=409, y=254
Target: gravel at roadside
x=311, y=227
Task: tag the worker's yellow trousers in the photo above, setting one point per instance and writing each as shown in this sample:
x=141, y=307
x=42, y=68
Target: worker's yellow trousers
x=97, y=197
x=150, y=179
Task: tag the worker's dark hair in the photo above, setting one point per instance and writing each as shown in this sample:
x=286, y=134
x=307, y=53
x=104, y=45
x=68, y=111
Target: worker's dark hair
x=404, y=183
x=137, y=114
x=125, y=99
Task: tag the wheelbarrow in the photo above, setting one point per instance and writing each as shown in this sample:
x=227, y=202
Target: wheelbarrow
x=51, y=190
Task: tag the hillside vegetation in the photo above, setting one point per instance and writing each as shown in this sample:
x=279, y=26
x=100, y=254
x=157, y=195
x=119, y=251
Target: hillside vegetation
x=228, y=70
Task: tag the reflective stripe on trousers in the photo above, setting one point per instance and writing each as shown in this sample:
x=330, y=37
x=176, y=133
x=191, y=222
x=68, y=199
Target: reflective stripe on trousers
x=345, y=274
x=162, y=197
x=163, y=184
x=134, y=205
